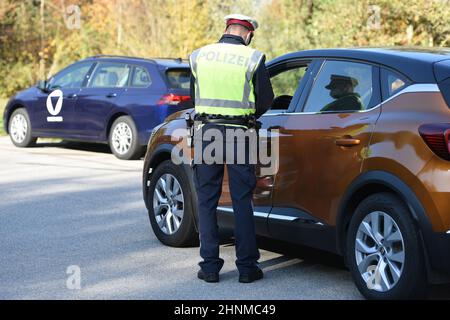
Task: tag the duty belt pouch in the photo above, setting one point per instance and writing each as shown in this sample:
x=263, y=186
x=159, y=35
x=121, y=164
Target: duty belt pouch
x=195, y=132
x=190, y=138
x=190, y=124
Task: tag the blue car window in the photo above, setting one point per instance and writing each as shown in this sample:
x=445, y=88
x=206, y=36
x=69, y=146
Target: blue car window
x=71, y=77
x=141, y=78
x=110, y=75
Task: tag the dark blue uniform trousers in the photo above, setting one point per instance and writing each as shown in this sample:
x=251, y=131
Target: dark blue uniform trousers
x=242, y=181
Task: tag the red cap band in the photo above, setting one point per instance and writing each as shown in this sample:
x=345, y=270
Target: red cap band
x=244, y=23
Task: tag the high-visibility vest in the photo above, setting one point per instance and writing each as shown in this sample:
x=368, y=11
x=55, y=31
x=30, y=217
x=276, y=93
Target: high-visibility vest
x=223, y=79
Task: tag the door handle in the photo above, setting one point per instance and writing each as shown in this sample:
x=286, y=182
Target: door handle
x=111, y=95
x=347, y=142
x=71, y=96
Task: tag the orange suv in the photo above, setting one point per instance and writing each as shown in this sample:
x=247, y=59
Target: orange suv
x=363, y=168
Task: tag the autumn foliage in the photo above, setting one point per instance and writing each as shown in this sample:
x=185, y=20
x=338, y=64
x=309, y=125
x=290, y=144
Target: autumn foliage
x=38, y=37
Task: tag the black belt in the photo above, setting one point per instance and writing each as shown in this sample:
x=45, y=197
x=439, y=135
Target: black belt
x=240, y=122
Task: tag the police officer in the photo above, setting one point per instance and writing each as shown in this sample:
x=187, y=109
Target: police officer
x=230, y=87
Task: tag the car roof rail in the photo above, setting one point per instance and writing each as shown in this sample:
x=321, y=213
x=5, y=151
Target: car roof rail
x=178, y=60
x=117, y=56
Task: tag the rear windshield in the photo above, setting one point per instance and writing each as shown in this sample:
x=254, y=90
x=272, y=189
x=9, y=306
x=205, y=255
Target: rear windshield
x=179, y=78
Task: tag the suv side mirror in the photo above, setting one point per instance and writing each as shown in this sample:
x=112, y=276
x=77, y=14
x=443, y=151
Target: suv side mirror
x=42, y=85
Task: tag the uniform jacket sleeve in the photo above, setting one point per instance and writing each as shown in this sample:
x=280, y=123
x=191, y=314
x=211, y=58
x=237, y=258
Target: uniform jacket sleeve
x=263, y=89
x=192, y=89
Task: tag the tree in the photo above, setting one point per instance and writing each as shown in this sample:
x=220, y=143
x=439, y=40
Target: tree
x=35, y=40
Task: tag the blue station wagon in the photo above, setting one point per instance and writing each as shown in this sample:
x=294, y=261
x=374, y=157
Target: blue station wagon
x=108, y=99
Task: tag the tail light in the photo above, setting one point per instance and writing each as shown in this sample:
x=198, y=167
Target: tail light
x=173, y=99
x=437, y=137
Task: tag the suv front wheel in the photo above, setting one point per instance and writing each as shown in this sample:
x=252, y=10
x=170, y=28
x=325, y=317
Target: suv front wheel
x=384, y=251
x=171, y=206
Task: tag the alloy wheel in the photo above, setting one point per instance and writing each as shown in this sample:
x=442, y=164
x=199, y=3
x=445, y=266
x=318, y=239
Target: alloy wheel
x=379, y=251
x=122, y=138
x=168, y=204
x=19, y=128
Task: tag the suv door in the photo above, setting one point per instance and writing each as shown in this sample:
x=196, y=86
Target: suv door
x=69, y=81
x=288, y=78
x=98, y=99
x=322, y=147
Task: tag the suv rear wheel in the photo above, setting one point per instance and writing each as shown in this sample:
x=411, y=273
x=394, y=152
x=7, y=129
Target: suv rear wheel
x=19, y=128
x=171, y=206
x=123, y=139
x=384, y=251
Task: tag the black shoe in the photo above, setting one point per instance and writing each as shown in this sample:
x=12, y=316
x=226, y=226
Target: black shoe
x=252, y=276
x=208, y=277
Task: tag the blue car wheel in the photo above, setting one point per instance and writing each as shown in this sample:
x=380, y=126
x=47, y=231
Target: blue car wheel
x=123, y=139
x=19, y=128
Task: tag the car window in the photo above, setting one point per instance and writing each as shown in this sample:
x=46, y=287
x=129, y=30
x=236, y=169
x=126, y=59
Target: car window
x=110, y=75
x=141, y=78
x=391, y=83
x=179, y=78
x=286, y=82
x=71, y=77
x=342, y=86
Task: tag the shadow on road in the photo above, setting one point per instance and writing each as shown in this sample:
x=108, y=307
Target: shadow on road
x=290, y=250
x=313, y=256
x=73, y=145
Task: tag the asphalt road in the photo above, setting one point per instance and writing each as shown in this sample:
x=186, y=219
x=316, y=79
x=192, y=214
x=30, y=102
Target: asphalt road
x=65, y=204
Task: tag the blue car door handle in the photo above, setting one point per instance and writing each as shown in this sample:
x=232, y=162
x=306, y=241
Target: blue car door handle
x=71, y=96
x=111, y=95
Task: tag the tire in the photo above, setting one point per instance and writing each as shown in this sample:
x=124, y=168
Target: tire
x=185, y=235
x=388, y=210
x=19, y=128
x=123, y=139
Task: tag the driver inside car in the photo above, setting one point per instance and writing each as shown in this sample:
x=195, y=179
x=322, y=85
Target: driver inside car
x=342, y=89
